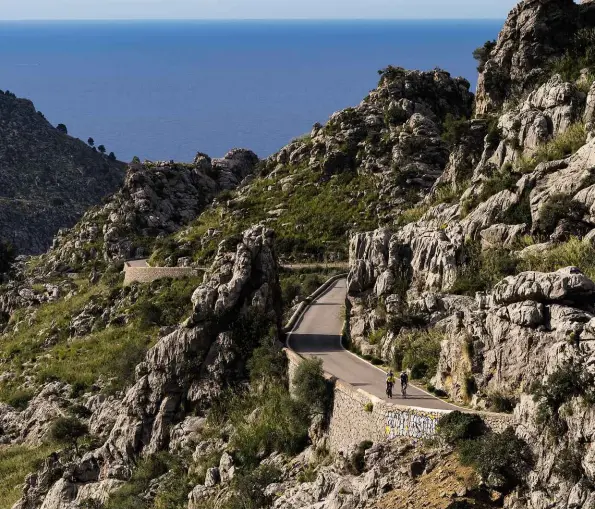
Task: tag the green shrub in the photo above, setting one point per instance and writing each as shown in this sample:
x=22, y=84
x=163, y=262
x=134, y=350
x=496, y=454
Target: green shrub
x=519, y=213
x=376, y=336
x=483, y=269
x=173, y=490
x=501, y=459
x=130, y=495
x=568, y=464
x=369, y=407
x=268, y=364
x=278, y=422
x=357, y=459
x=573, y=253
x=561, y=146
x=456, y=426
x=454, y=129
x=248, y=488
x=498, y=402
x=559, y=206
x=311, y=388
x=494, y=134
x=16, y=462
x=580, y=54
x=418, y=351
x=17, y=398
x=572, y=380
x=68, y=431
x=482, y=54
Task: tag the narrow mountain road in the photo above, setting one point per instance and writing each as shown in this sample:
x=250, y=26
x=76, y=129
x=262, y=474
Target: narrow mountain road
x=144, y=262
x=318, y=334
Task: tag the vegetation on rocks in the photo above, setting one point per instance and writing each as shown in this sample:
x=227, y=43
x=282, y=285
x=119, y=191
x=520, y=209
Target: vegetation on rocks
x=16, y=462
x=418, y=351
x=569, y=381
x=561, y=146
x=73, y=341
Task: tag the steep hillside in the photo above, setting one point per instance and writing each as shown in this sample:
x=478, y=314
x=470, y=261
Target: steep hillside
x=469, y=229
x=356, y=172
x=488, y=297
x=47, y=179
x=155, y=200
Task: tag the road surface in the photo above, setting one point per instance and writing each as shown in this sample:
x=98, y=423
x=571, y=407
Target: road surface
x=296, y=266
x=318, y=334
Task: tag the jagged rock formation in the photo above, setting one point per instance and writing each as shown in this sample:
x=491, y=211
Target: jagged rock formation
x=376, y=158
x=523, y=200
x=47, y=179
x=384, y=133
x=155, y=200
x=535, y=33
x=186, y=369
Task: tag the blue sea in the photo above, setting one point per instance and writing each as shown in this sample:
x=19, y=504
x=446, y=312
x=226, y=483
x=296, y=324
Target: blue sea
x=165, y=90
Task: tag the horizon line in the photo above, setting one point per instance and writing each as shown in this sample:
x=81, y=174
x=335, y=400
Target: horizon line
x=75, y=20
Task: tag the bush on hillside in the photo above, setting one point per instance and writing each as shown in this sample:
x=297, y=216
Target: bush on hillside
x=561, y=146
x=311, y=388
x=482, y=54
x=572, y=380
x=454, y=129
x=559, y=206
x=268, y=364
x=580, y=54
x=573, y=253
x=68, y=431
x=419, y=352
x=456, y=426
x=130, y=495
x=249, y=488
x=357, y=459
x=483, y=269
x=501, y=459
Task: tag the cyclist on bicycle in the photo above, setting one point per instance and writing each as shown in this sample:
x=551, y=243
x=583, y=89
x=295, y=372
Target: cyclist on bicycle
x=390, y=382
x=404, y=382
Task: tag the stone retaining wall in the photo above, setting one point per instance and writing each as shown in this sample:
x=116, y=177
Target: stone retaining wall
x=148, y=274
x=359, y=416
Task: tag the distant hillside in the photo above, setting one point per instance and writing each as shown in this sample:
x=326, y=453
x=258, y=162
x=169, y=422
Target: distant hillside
x=47, y=178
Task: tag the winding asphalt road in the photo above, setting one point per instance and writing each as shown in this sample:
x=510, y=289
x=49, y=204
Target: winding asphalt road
x=318, y=334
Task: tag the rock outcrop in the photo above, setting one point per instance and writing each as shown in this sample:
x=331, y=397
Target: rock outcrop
x=47, y=179
x=534, y=34
x=187, y=369
x=155, y=200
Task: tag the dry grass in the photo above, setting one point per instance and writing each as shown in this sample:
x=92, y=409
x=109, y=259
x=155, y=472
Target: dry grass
x=16, y=462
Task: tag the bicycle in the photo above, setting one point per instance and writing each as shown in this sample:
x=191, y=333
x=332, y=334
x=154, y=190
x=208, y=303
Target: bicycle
x=404, y=390
x=389, y=390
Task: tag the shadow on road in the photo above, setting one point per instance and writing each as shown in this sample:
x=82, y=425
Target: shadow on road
x=316, y=343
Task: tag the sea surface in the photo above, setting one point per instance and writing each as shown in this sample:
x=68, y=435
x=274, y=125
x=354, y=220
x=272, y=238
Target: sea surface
x=165, y=90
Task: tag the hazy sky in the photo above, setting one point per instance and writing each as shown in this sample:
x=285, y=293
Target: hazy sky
x=259, y=9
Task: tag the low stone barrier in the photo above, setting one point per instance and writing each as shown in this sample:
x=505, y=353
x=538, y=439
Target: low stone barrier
x=358, y=415
x=148, y=274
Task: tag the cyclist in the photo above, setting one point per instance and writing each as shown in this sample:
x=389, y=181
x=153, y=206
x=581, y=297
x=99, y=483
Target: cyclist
x=390, y=382
x=404, y=382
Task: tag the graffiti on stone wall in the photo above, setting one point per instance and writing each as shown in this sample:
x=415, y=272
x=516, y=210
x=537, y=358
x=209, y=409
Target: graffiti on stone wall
x=411, y=423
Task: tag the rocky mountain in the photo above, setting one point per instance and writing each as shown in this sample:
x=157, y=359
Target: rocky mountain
x=47, y=179
x=496, y=271
x=368, y=158
x=468, y=223
x=155, y=200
